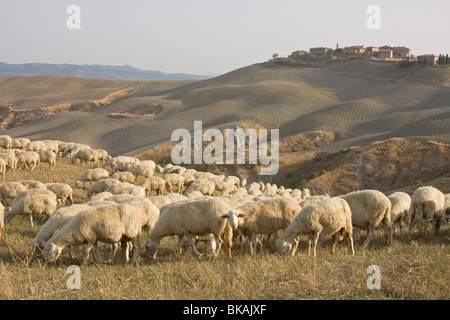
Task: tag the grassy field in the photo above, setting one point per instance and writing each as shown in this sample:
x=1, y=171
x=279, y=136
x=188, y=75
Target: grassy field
x=410, y=269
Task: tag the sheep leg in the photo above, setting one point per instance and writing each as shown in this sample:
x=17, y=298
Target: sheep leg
x=254, y=244
x=31, y=220
x=333, y=246
x=369, y=237
x=135, y=244
x=218, y=245
x=87, y=251
x=349, y=237
x=192, y=244
x=309, y=245
x=124, y=251
x=97, y=254
x=316, y=239
x=295, y=247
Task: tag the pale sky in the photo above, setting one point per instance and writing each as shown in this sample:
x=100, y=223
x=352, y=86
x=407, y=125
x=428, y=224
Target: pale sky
x=210, y=36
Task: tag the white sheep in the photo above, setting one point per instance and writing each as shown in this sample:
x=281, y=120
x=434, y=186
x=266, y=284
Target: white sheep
x=263, y=217
x=331, y=216
x=400, y=204
x=49, y=157
x=33, y=184
x=369, y=209
x=124, y=176
x=109, y=224
x=90, y=155
x=160, y=201
x=115, y=160
x=39, y=204
x=91, y=175
x=447, y=208
x=2, y=169
x=174, y=180
x=2, y=220
x=63, y=192
x=52, y=145
x=29, y=159
x=19, y=143
x=126, y=188
x=101, y=185
x=5, y=142
x=197, y=217
x=56, y=222
x=10, y=161
x=157, y=184
x=30, y=193
x=10, y=190
x=35, y=146
x=204, y=186
x=427, y=206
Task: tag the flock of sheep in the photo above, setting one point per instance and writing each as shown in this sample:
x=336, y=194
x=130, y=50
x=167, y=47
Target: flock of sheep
x=136, y=195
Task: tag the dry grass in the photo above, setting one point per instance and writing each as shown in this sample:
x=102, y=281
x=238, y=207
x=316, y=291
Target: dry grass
x=410, y=269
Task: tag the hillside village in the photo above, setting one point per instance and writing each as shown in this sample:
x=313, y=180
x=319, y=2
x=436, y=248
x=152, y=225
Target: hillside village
x=385, y=53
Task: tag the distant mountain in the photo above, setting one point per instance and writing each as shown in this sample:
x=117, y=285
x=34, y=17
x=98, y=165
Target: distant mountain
x=93, y=71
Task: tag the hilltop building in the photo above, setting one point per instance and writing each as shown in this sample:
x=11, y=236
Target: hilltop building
x=428, y=58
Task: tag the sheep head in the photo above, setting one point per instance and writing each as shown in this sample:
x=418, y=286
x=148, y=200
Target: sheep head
x=233, y=218
x=283, y=246
x=52, y=252
x=151, y=247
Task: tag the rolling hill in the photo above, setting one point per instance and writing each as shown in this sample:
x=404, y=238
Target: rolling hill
x=359, y=102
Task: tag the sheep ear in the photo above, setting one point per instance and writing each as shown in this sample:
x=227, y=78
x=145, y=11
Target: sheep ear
x=242, y=215
x=225, y=216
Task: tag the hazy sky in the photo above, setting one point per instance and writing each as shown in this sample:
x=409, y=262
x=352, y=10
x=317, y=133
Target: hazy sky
x=210, y=36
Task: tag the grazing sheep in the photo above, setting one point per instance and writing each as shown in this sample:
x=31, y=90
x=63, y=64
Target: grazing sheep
x=197, y=217
x=101, y=185
x=33, y=184
x=63, y=192
x=109, y=224
x=263, y=217
x=126, y=188
x=141, y=170
x=48, y=157
x=154, y=183
x=90, y=155
x=35, y=146
x=115, y=160
x=39, y=204
x=29, y=159
x=427, y=206
x=330, y=216
x=91, y=175
x=10, y=190
x=5, y=142
x=369, y=209
x=52, y=145
x=174, y=180
x=19, y=143
x=30, y=193
x=124, y=176
x=10, y=161
x=57, y=221
x=400, y=204
x=122, y=166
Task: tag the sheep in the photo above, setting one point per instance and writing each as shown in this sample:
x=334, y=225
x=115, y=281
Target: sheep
x=141, y=170
x=160, y=201
x=370, y=208
x=29, y=159
x=314, y=199
x=39, y=204
x=19, y=143
x=188, y=179
x=10, y=161
x=51, y=145
x=109, y=224
x=57, y=221
x=2, y=220
x=122, y=166
x=194, y=194
x=400, y=204
x=124, y=176
x=263, y=217
x=197, y=217
x=115, y=160
x=9, y=190
x=35, y=146
x=101, y=185
x=204, y=186
x=63, y=192
x=175, y=169
x=2, y=169
x=175, y=197
x=126, y=188
x=5, y=142
x=30, y=193
x=174, y=179
x=428, y=205
x=154, y=183
x=90, y=175
x=447, y=208
x=90, y=155
x=223, y=187
x=330, y=216
x=306, y=193
x=49, y=157
x=71, y=148
x=33, y=184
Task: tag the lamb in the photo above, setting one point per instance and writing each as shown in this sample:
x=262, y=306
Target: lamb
x=19, y=143
x=428, y=206
x=400, y=204
x=48, y=157
x=101, y=185
x=109, y=224
x=154, y=183
x=91, y=175
x=330, y=216
x=57, y=221
x=174, y=179
x=30, y=193
x=29, y=159
x=10, y=190
x=370, y=208
x=197, y=217
x=263, y=217
x=5, y=142
x=124, y=176
x=39, y=204
x=63, y=192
